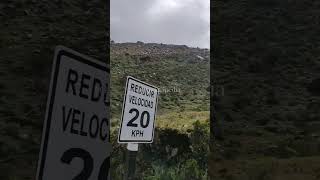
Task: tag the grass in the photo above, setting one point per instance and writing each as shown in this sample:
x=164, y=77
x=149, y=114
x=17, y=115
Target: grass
x=182, y=121
x=176, y=120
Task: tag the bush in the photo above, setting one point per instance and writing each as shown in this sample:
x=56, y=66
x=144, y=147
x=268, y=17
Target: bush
x=160, y=161
x=200, y=138
x=185, y=170
x=191, y=170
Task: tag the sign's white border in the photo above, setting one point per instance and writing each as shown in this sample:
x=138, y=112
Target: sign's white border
x=123, y=107
x=59, y=52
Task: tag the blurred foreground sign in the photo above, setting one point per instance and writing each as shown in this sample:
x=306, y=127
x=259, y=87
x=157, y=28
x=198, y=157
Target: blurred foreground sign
x=75, y=140
x=138, y=112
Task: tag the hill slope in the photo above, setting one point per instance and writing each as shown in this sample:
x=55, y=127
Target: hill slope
x=182, y=75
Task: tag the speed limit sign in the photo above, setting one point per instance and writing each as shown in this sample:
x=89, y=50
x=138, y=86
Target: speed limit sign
x=76, y=132
x=138, y=112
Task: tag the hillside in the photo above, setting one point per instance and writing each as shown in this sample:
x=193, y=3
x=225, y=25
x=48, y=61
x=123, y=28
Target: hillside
x=266, y=57
x=182, y=75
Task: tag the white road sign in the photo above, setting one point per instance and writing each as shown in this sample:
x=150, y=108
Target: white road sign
x=76, y=138
x=138, y=112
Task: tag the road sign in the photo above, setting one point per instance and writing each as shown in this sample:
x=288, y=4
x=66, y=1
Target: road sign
x=138, y=112
x=76, y=133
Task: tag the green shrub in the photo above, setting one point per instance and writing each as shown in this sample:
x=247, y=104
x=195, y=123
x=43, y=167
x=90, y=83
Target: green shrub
x=182, y=171
x=200, y=138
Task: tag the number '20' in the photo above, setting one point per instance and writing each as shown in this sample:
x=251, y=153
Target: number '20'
x=142, y=117
x=72, y=153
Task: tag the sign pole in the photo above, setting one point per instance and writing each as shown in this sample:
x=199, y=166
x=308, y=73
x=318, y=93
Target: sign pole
x=137, y=120
x=132, y=150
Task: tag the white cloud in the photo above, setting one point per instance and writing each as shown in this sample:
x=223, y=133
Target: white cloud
x=162, y=21
x=163, y=7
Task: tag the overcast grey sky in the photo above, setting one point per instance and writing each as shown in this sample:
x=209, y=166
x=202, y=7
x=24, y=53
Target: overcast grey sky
x=184, y=22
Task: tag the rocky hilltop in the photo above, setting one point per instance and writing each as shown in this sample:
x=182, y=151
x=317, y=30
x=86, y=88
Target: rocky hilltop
x=150, y=51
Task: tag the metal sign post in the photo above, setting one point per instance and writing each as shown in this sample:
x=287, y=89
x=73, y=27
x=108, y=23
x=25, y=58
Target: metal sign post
x=132, y=151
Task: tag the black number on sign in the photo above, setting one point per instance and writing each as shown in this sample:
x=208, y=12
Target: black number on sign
x=68, y=156
x=104, y=169
x=142, y=118
x=130, y=123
